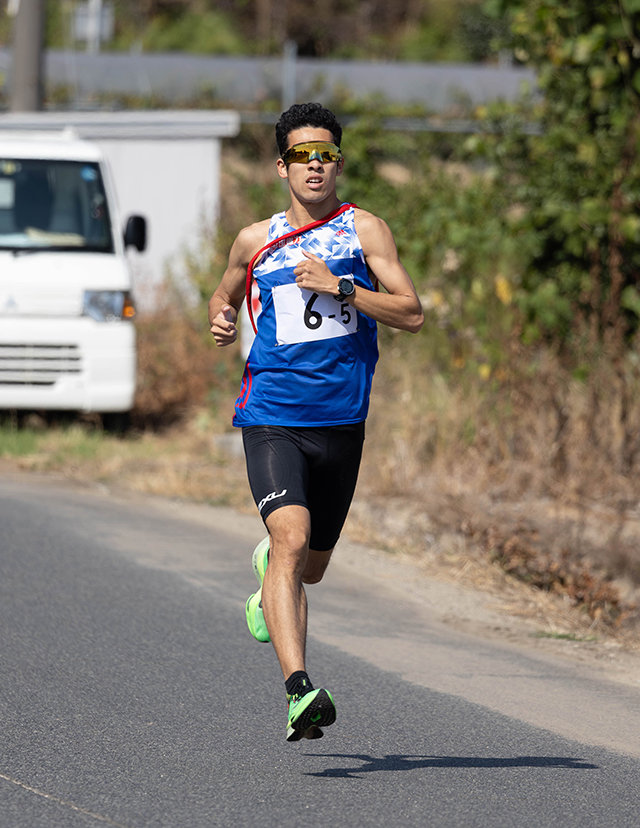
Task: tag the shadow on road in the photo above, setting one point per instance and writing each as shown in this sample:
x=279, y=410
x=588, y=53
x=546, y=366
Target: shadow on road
x=399, y=762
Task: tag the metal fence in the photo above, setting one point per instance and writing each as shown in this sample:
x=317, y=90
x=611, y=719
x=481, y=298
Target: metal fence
x=251, y=82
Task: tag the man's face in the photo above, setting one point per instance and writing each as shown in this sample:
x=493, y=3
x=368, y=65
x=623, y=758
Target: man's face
x=314, y=180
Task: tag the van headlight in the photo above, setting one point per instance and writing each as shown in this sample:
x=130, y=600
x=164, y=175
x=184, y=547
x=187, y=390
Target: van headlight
x=108, y=305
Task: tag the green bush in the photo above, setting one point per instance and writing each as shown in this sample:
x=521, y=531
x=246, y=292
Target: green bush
x=579, y=180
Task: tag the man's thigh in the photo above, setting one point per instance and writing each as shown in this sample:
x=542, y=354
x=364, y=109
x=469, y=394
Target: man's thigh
x=276, y=467
x=316, y=468
x=332, y=483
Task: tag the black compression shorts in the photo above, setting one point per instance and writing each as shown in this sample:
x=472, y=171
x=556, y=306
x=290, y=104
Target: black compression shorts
x=312, y=467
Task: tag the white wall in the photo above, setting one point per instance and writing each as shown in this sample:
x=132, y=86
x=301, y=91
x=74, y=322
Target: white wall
x=175, y=184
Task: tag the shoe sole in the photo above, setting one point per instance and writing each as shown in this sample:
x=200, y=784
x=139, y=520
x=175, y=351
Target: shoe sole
x=312, y=732
x=320, y=712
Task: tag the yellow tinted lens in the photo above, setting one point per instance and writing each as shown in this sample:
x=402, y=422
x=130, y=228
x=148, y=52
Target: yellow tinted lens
x=296, y=155
x=303, y=153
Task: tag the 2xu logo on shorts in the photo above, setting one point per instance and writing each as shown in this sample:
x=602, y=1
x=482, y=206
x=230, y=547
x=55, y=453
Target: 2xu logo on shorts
x=271, y=496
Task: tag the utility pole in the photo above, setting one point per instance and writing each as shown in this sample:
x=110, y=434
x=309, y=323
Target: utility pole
x=94, y=26
x=27, y=61
x=289, y=56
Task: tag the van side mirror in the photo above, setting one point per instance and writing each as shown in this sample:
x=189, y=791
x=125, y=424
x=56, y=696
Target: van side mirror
x=135, y=233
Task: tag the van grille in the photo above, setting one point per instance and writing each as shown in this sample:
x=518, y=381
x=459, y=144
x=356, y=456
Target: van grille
x=37, y=364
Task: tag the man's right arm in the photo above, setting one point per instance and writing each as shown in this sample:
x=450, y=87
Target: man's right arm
x=225, y=304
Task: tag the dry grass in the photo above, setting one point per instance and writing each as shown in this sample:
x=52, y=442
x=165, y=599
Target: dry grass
x=191, y=460
x=523, y=476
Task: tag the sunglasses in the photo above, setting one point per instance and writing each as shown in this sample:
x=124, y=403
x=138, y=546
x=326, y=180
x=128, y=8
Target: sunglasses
x=323, y=151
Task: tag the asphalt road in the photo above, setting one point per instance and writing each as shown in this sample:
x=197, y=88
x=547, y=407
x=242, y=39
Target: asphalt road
x=131, y=693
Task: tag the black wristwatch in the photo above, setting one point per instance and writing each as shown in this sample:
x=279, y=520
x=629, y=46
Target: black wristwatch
x=346, y=288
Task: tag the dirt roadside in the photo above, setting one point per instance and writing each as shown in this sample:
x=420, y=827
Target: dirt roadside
x=492, y=607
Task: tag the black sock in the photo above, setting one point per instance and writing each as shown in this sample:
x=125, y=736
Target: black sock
x=298, y=684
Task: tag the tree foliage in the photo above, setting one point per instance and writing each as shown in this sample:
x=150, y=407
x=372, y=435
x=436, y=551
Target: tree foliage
x=578, y=182
x=404, y=30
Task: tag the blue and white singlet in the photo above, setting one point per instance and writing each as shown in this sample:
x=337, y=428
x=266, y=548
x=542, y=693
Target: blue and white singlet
x=313, y=358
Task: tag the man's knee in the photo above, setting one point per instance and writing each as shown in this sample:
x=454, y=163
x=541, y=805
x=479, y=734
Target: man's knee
x=289, y=526
x=289, y=532
x=290, y=540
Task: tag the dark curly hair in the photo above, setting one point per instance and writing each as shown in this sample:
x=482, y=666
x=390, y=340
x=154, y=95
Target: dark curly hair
x=306, y=115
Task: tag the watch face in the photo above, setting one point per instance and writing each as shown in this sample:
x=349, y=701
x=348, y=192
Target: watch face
x=346, y=287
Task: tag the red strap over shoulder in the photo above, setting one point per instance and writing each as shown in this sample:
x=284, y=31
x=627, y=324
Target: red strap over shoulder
x=278, y=243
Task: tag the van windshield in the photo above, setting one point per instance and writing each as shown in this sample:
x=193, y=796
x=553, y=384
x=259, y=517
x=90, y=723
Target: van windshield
x=53, y=205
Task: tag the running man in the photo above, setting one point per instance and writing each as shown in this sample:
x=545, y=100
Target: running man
x=305, y=390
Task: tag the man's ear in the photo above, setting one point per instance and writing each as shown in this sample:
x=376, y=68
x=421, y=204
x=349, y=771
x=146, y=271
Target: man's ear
x=340, y=166
x=283, y=172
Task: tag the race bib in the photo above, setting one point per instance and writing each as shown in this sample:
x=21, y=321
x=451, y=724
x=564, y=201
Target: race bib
x=305, y=316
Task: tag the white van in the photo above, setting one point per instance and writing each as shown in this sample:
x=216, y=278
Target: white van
x=67, y=339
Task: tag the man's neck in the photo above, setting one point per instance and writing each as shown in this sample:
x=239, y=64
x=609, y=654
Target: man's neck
x=300, y=214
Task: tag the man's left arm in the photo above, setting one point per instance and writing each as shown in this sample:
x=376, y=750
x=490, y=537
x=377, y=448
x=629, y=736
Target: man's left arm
x=398, y=304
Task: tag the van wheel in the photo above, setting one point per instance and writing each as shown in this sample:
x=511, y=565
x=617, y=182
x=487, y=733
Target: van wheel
x=115, y=422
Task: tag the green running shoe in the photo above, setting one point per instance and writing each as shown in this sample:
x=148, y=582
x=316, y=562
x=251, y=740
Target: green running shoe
x=308, y=713
x=253, y=608
x=255, y=617
x=260, y=559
